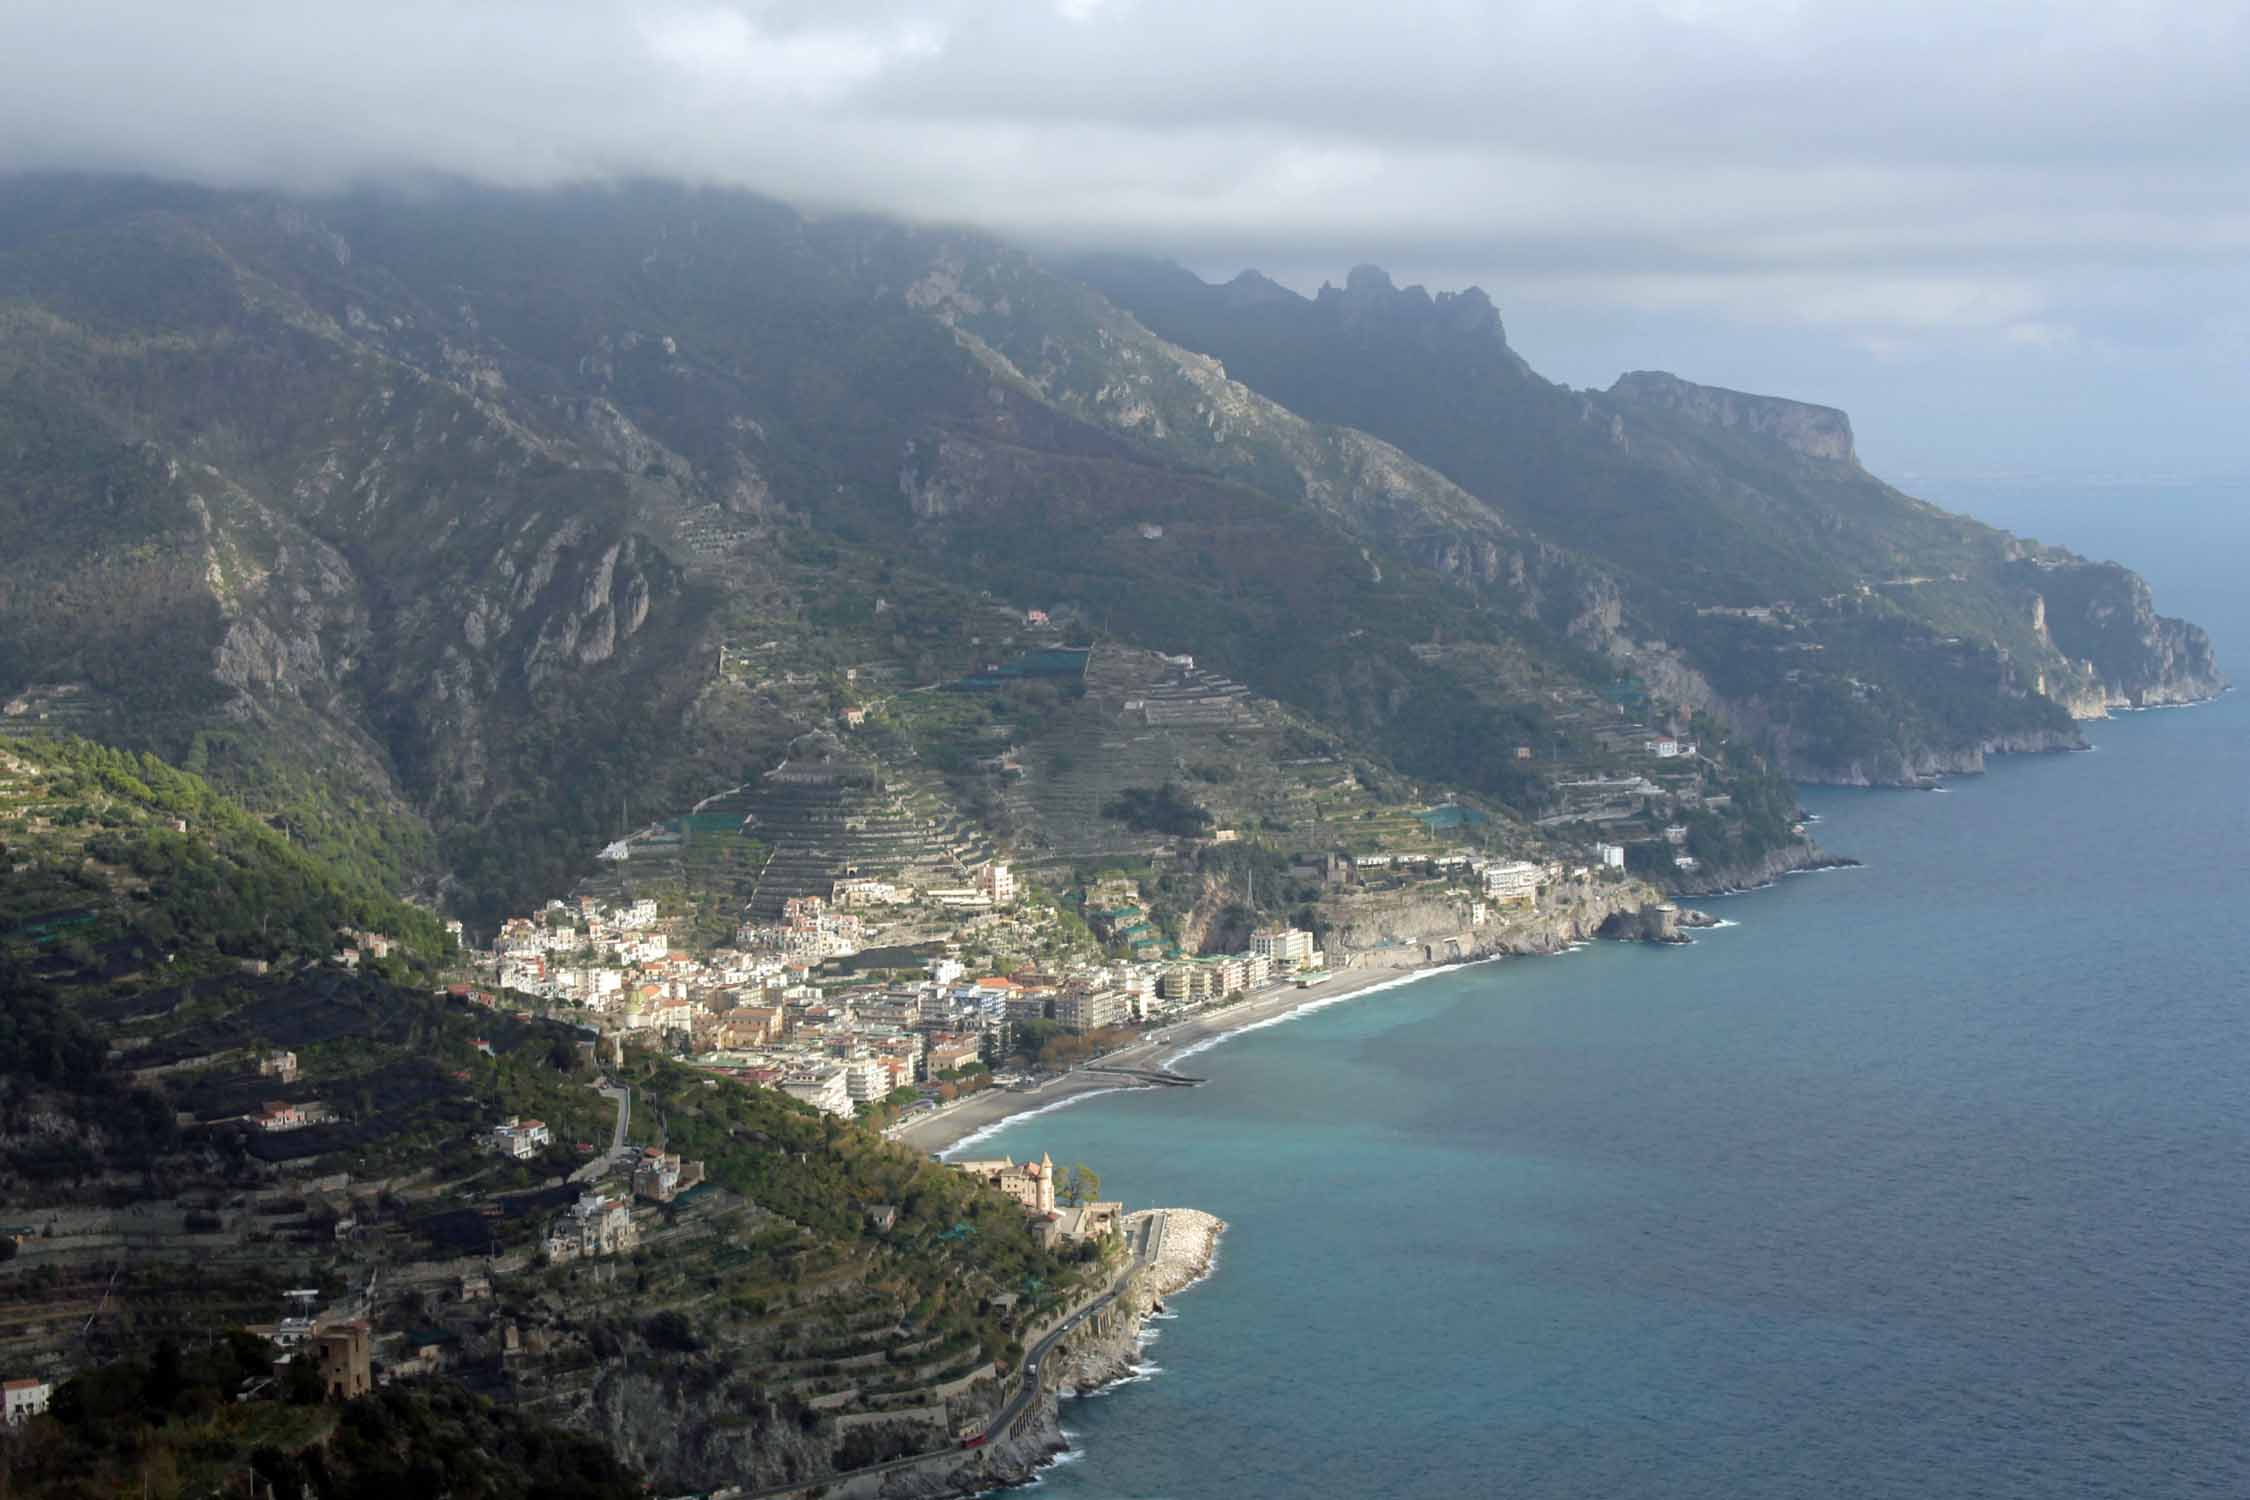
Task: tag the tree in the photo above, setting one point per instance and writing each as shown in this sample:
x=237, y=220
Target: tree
x=1081, y=1184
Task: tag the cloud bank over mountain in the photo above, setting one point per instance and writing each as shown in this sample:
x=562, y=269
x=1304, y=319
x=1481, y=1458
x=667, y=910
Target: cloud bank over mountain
x=2021, y=186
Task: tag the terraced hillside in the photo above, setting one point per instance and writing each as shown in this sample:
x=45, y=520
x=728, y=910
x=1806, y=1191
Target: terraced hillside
x=824, y=815
x=233, y=1127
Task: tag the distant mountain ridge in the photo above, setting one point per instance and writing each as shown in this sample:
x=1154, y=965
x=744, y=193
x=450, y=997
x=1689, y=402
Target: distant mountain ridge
x=1703, y=503
x=428, y=521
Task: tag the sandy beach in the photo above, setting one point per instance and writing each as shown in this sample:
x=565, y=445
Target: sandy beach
x=982, y=1113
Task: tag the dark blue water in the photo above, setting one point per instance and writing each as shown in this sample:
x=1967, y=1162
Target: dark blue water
x=1926, y=1179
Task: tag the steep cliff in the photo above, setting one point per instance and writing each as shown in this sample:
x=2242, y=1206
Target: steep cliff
x=1758, y=570
x=1816, y=432
x=1407, y=930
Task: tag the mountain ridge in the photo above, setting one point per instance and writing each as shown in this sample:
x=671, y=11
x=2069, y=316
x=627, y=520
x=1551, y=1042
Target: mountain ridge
x=1700, y=502
x=442, y=511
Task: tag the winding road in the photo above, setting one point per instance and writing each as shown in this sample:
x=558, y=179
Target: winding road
x=622, y=1097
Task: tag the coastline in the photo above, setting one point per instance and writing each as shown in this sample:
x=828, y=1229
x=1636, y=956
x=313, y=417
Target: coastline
x=985, y=1114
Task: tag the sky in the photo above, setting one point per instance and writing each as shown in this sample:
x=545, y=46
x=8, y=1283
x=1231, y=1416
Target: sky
x=2007, y=237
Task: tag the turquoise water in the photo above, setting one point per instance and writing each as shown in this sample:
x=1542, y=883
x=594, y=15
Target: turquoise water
x=1926, y=1179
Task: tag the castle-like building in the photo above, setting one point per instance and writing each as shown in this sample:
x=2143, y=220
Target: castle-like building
x=1032, y=1183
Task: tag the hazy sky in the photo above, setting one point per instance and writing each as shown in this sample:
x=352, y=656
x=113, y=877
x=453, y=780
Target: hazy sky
x=2004, y=235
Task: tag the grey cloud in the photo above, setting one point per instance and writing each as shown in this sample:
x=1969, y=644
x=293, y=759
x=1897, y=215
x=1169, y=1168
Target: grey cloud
x=2032, y=180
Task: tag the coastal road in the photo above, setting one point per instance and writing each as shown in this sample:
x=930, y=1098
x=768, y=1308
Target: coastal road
x=1034, y=1381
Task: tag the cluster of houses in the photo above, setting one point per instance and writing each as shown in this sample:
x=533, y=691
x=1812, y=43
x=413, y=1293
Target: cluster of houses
x=353, y=946
x=753, y=1011
x=1032, y=1184
x=839, y=1048
x=811, y=930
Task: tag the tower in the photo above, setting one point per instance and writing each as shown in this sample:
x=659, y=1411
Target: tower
x=1046, y=1183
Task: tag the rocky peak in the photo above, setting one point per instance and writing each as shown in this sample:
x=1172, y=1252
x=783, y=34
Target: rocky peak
x=1366, y=281
x=1819, y=432
x=1253, y=288
x=1369, y=296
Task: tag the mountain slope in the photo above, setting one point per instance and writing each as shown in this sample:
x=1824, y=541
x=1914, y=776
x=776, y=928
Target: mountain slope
x=1704, y=504
x=167, y=992
x=442, y=508
x=432, y=522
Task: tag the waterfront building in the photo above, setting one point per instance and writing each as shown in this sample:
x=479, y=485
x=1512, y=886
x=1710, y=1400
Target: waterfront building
x=1186, y=984
x=1284, y=948
x=1093, y=1009
x=1515, y=882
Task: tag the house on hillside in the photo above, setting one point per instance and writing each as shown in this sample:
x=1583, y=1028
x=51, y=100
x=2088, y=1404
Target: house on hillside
x=25, y=1398
x=281, y=1114
x=662, y=1176
x=1031, y=1183
x=519, y=1140
x=595, y=1225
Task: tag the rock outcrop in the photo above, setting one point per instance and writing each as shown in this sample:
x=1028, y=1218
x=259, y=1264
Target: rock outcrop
x=1798, y=427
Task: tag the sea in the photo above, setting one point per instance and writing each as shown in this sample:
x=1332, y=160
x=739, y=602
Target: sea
x=1929, y=1178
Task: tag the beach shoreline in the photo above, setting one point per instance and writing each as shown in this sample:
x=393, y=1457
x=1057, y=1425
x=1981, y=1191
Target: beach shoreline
x=985, y=1114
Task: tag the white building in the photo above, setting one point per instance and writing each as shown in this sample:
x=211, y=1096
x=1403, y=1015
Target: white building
x=1611, y=856
x=824, y=1089
x=865, y=1080
x=1516, y=880
x=1283, y=948
x=519, y=1140
x=26, y=1398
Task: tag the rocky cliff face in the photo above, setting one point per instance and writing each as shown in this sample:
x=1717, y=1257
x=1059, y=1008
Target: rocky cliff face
x=1408, y=930
x=1895, y=762
x=1697, y=502
x=1715, y=880
x=1082, y=356
x=2102, y=617
x=1798, y=427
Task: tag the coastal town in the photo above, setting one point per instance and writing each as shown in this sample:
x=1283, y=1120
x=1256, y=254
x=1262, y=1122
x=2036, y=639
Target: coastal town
x=797, y=1006
x=835, y=931
x=741, y=1067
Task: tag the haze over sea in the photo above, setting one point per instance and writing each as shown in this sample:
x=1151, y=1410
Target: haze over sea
x=1930, y=1178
